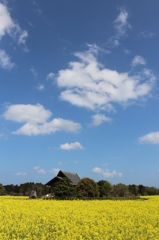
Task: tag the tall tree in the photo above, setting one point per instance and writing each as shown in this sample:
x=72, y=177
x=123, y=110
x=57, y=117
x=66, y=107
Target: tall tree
x=142, y=190
x=64, y=189
x=105, y=188
x=87, y=187
x=120, y=190
x=133, y=189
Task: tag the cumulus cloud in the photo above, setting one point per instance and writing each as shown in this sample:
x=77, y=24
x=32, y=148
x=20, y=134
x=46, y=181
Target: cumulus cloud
x=5, y=60
x=71, y=146
x=50, y=76
x=27, y=113
x=152, y=137
x=106, y=172
x=54, y=171
x=89, y=84
x=9, y=26
x=39, y=170
x=36, y=121
x=98, y=119
x=138, y=60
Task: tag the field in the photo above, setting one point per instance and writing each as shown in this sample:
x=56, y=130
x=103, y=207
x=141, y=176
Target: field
x=21, y=218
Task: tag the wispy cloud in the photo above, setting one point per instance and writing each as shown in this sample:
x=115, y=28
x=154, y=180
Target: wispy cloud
x=71, y=146
x=34, y=72
x=121, y=22
x=89, y=84
x=50, y=76
x=39, y=170
x=152, y=137
x=54, y=171
x=9, y=26
x=98, y=119
x=40, y=87
x=146, y=34
x=106, y=172
x=5, y=60
x=38, y=10
x=36, y=118
x=121, y=25
x=21, y=174
x=138, y=60
x=1, y=135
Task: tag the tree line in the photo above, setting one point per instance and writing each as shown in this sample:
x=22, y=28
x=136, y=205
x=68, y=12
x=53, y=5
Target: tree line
x=86, y=188
x=24, y=189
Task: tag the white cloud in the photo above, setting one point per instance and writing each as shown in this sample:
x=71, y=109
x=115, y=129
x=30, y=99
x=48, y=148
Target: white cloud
x=127, y=51
x=71, y=146
x=36, y=167
x=5, y=60
x=121, y=25
x=138, y=60
x=98, y=119
x=21, y=174
x=146, y=34
x=39, y=170
x=8, y=26
x=152, y=137
x=57, y=124
x=121, y=22
x=36, y=118
x=106, y=172
x=1, y=135
x=40, y=87
x=34, y=72
x=88, y=84
x=54, y=171
x=27, y=113
x=97, y=170
x=50, y=76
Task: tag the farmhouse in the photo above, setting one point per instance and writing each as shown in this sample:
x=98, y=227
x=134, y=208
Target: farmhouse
x=62, y=174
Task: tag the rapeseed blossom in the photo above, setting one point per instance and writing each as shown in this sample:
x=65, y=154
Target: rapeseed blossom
x=21, y=218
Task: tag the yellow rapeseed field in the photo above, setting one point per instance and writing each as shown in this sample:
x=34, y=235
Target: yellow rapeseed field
x=21, y=218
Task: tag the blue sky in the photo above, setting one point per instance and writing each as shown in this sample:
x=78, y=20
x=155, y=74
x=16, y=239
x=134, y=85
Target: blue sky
x=79, y=90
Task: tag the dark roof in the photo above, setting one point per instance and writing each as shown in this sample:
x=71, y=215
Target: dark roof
x=72, y=176
x=53, y=180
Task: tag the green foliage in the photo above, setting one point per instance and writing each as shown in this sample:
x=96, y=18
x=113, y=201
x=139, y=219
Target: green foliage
x=133, y=189
x=121, y=190
x=64, y=188
x=26, y=188
x=2, y=189
x=105, y=188
x=142, y=190
x=87, y=187
x=151, y=191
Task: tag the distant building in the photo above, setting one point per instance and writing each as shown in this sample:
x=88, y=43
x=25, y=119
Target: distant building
x=74, y=178
x=33, y=194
